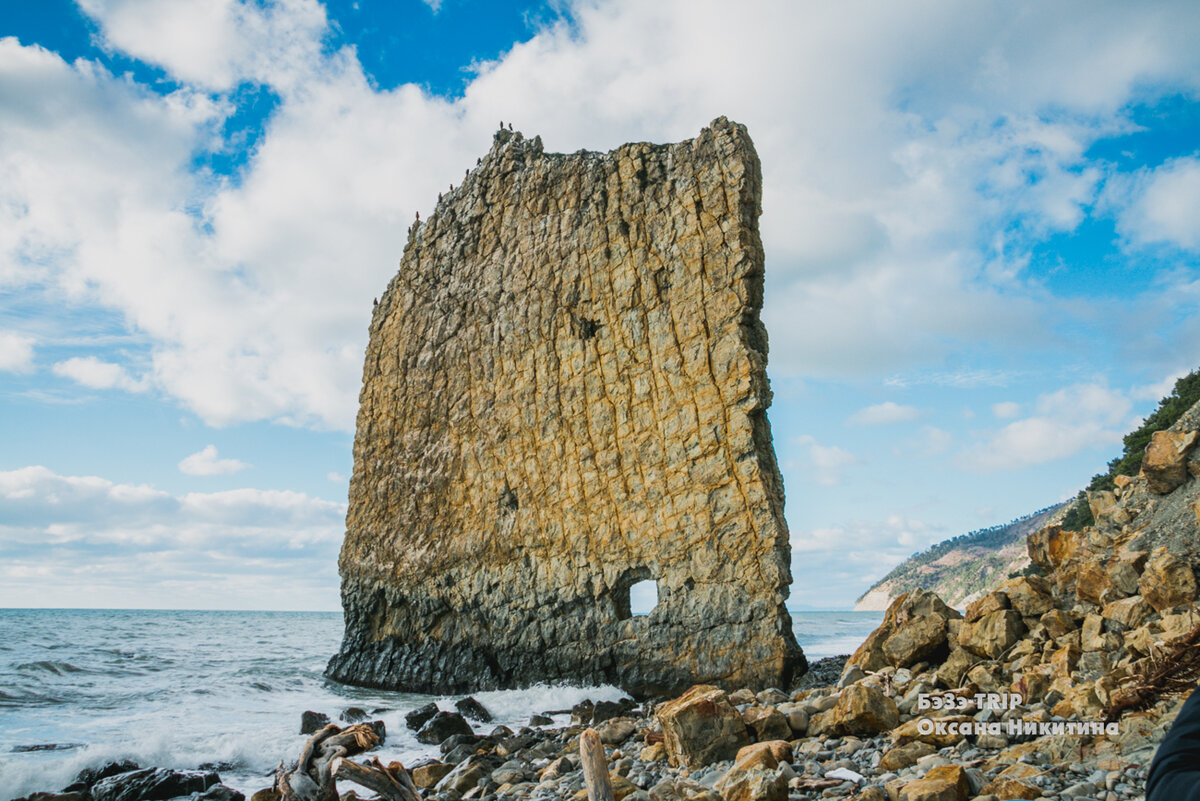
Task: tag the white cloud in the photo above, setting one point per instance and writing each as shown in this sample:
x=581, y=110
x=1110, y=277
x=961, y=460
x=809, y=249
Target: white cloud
x=934, y=441
x=205, y=462
x=255, y=293
x=434, y=5
x=884, y=413
x=335, y=477
x=851, y=556
x=1158, y=390
x=93, y=373
x=826, y=463
x=1067, y=421
x=1161, y=205
x=16, y=352
x=1006, y=410
x=216, y=44
x=206, y=550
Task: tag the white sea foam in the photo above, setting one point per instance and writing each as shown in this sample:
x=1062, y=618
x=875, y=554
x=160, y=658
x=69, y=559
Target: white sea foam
x=181, y=689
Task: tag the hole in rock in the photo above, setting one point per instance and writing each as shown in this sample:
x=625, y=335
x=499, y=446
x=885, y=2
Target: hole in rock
x=643, y=597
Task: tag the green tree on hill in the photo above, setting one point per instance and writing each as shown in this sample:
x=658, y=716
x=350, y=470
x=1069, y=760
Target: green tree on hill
x=1185, y=395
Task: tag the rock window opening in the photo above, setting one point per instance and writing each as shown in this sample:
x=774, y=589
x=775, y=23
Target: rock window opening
x=640, y=599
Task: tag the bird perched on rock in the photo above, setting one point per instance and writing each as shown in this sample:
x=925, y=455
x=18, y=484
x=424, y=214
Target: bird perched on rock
x=502, y=125
x=510, y=126
x=478, y=162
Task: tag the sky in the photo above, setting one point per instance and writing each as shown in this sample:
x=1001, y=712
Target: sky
x=981, y=224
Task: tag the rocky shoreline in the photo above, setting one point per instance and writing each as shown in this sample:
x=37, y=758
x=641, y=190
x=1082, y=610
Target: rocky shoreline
x=1057, y=684
x=857, y=737
x=842, y=733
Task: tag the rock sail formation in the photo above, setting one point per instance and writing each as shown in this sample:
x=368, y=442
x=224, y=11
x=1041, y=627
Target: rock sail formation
x=564, y=394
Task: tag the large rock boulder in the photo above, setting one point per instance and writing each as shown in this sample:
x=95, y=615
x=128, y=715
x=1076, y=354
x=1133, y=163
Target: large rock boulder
x=755, y=785
x=1165, y=462
x=766, y=723
x=565, y=394
x=1031, y=596
x=152, y=784
x=701, y=727
x=992, y=634
x=1051, y=547
x=860, y=709
x=1167, y=581
x=914, y=629
x=443, y=726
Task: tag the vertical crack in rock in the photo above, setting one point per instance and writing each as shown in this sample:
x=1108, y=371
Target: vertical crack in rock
x=565, y=393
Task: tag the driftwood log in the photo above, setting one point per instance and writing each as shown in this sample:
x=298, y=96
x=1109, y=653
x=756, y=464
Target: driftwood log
x=323, y=761
x=595, y=767
x=1175, y=668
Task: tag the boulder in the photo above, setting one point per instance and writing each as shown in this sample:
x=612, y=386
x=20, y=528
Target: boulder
x=942, y=783
x=1165, y=462
x=152, y=784
x=616, y=730
x=353, y=714
x=465, y=775
x=1093, y=637
x=701, y=727
x=904, y=756
x=765, y=756
x=1052, y=547
x=1093, y=584
x=1123, y=576
x=951, y=672
x=860, y=709
x=441, y=727
x=993, y=633
x=914, y=629
x=419, y=716
x=312, y=722
x=756, y=785
x=429, y=774
x=1102, y=503
x=470, y=708
x=766, y=723
x=1056, y=622
x=1006, y=788
x=769, y=755
x=1130, y=612
x=89, y=776
x=607, y=710
x=1031, y=596
x=1167, y=581
x=991, y=602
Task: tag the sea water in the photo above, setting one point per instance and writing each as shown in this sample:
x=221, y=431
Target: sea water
x=184, y=689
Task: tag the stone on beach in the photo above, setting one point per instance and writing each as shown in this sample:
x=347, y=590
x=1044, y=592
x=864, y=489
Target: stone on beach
x=701, y=727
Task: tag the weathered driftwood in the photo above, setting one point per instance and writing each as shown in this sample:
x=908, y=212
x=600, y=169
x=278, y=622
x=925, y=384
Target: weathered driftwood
x=391, y=783
x=1173, y=669
x=595, y=767
x=312, y=778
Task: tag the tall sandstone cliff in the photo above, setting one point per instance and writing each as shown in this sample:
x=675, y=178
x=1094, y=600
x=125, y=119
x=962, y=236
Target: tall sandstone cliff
x=565, y=393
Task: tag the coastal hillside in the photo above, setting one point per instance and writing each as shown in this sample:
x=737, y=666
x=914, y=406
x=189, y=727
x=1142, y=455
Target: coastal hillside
x=968, y=566
x=965, y=567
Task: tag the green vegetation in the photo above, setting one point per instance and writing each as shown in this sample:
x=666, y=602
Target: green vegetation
x=1185, y=395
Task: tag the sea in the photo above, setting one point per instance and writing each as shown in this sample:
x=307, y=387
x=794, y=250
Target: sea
x=225, y=690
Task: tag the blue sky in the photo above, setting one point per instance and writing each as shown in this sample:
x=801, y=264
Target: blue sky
x=982, y=227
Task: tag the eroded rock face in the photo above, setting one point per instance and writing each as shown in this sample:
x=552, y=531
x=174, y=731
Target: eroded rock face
x=565, y=393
